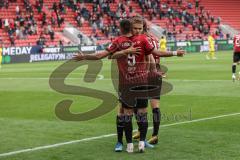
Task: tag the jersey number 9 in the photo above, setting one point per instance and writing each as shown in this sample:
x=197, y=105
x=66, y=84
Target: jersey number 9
x=131, y=60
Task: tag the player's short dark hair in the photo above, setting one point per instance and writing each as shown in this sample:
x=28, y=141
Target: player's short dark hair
x=125, y=26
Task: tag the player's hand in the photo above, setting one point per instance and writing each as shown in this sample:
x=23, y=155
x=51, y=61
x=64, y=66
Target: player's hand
x=78, y=57
x=180, y=53
x=133, y=50
x=159, y=73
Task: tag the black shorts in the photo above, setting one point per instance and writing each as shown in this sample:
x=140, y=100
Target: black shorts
x=137, y=95
x=140, y=103
x=130, y=98
x=236, y=57
x=155, y=80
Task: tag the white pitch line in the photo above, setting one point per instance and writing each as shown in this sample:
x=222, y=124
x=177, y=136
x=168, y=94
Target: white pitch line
x=100, y=77
x=105, y=136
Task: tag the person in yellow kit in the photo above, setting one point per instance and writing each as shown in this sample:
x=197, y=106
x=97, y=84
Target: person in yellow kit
x=0, y=57
x=163, y=47
x=211, y=44
x=163, y=44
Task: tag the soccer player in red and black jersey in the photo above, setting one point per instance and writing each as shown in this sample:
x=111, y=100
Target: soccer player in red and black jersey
x=236, y=55
x=154, y=79
x=133, y=73
x=154, y=65
x=154, y=102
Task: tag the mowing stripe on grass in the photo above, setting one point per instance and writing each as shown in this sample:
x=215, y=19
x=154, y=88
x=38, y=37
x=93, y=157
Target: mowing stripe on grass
x=101, y=77
x=105, y=136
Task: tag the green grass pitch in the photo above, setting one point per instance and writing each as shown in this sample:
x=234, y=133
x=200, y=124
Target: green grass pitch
x=202, y=89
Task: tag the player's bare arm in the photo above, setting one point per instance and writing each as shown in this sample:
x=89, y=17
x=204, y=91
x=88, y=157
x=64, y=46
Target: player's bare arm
x=95, y=56
x=151, y=63
x=147, y=60
x=179, y=53
x=130, y=50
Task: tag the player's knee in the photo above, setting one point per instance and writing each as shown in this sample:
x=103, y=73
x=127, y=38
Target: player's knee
x=154, y=106
x=142, y=110
x=128, y=111
x=154, y=103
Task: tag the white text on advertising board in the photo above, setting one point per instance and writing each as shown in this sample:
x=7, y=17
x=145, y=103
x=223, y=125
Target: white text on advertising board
x=16, y=50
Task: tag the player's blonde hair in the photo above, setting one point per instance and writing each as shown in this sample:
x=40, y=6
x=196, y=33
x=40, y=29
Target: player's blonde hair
x=137, y=19
x=140, y=20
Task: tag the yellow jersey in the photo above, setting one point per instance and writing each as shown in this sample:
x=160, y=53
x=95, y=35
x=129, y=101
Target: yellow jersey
x=211, y=43
x=0, y=56
x=163, y=44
